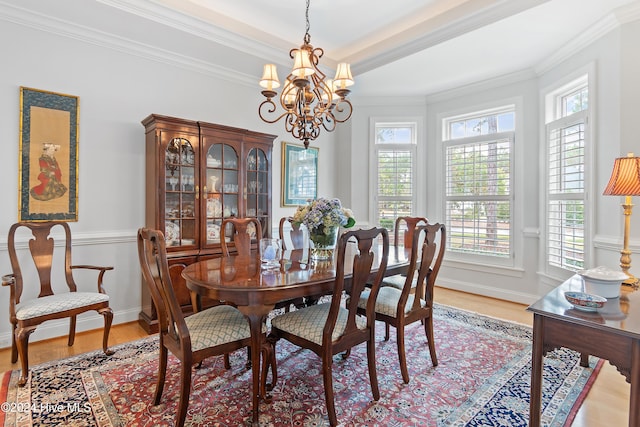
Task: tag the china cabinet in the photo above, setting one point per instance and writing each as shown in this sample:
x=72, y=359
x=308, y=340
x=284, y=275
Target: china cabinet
x=197, y=174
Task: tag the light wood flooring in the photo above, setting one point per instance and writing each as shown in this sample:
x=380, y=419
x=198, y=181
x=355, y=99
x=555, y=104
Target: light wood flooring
x=607, y=404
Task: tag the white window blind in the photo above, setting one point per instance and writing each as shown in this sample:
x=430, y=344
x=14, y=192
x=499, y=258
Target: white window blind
x=395, y=183
x=478, y=196
x=566, y=192
x=395, y=154
x=478, y=149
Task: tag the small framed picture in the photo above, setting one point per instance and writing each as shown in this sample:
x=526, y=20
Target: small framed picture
x=48, y=156
x=299, y=174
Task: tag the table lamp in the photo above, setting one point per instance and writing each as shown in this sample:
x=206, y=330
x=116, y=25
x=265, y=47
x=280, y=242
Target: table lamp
x=625, y=181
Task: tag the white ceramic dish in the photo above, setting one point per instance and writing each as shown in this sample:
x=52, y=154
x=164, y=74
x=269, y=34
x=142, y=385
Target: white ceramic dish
x=172, y=231
x=585, y=302
x=603, y=281
x=213, y=232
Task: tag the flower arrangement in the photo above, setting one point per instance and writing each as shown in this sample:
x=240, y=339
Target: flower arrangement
x=322, y=217
x=322, y=214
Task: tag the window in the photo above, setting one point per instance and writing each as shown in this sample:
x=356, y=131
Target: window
x=566, y=138
x=478, y=151
x=395, y=154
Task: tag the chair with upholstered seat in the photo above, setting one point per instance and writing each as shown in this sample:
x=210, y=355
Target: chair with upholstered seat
x=235, y=233
x=414, y=302
x=294, y=233
x=298, y=246
x=214, y=331
x=404, y=225
x=241, y=231
x=26, y=314
x=329, y=328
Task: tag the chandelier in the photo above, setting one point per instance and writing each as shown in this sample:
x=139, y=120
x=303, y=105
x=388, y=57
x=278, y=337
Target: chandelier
x=309, y=99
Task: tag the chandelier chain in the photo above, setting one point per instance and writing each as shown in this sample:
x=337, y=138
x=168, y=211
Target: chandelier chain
x=307, y=37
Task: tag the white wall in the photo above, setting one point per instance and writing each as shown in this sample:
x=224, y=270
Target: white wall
x=118, y=85
x=616, y=110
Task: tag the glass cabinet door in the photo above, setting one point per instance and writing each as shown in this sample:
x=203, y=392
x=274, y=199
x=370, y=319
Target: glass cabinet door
x=221, y=189
x=258, y=187
x=180, y=201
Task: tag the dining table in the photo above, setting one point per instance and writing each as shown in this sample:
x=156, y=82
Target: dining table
x=254, y=290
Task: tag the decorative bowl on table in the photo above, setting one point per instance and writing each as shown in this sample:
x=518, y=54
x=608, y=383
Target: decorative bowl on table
x=603, y=281
x=585, y=302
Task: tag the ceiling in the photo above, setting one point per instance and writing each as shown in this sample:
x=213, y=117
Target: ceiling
x=414, y=47
x=401, y=48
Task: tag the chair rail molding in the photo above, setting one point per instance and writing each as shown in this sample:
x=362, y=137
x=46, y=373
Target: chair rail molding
x=81, y=239
x=612, y=243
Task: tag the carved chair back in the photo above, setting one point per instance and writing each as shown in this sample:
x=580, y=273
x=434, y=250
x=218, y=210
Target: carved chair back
x=242, y=232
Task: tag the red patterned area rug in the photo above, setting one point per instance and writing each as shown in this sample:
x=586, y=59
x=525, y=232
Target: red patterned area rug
x=482, y=379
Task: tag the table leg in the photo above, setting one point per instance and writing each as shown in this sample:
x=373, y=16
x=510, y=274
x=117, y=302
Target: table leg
x=256, y=316
x=634, y=408
x=584, y=360
x=536, y=371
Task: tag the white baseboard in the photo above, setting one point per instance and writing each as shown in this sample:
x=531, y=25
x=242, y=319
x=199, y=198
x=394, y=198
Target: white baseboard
x=489, y=291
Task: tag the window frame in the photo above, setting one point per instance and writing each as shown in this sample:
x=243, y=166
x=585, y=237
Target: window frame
x=483, y=262
x=416, y=124
x=553, y=119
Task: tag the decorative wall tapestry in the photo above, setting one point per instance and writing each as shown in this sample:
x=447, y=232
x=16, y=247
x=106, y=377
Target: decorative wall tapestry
x=48, y=164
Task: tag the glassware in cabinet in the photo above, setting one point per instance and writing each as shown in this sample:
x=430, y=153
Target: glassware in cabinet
x=180, y=195
x=196, y=173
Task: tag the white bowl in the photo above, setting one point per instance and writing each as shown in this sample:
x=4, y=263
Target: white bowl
x=603, y=281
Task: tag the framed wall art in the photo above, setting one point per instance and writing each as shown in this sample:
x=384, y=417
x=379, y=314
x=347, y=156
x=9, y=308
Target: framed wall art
x=48, y=163
x=299, y=174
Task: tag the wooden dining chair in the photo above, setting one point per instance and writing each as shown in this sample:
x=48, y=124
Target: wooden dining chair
x=413, y=303
x=26, y=314
x=296, y=234
x=214, y=331
x=330, y=328
x=241, y=231
x=406, y=225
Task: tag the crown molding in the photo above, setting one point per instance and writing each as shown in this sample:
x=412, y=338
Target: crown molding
x=628, y=13
x=445, y=27
x=487, y=84
x=72, y=30
x=386, y=101
x=610, y=22
x=260, y=44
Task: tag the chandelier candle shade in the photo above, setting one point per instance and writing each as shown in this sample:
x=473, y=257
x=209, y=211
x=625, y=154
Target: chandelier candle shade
x=310, y=100
x=625, y=181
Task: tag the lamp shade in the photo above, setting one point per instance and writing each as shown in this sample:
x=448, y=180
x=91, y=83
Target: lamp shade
x=302, y=64
x=328, y=94
x=270, y=77
x=625, y=177
x=343, y=76
x=289, y=94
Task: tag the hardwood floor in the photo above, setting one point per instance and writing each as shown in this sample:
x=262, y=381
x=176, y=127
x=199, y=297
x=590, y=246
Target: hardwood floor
x=606, y=404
